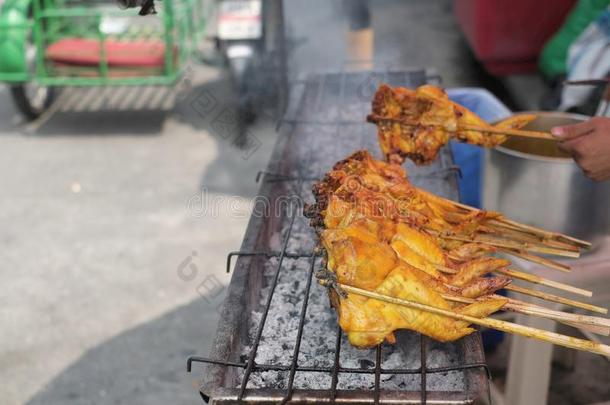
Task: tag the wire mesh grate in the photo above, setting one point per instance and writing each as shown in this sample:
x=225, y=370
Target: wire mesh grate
x=251, y=366
x=323, y=124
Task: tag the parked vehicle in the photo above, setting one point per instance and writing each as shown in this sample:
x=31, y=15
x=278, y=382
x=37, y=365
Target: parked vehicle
x=45, y=44
x=250, y=37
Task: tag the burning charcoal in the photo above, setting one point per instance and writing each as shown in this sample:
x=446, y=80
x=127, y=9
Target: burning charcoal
x=317, y=346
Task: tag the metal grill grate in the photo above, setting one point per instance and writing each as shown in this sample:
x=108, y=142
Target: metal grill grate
x=324, y=125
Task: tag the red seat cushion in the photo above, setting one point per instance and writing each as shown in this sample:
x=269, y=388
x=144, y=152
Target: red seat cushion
x=507, y=35
x=86, y=52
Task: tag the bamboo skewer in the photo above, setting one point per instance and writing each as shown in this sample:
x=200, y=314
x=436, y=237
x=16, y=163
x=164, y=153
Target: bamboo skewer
x=510, y=132
x=502, y=221
x=539, y=294
x=532, y=278
x=514, y=234
x=556, y=298
x=509, y=327
x=508, y=245
x=553, y=243
x=533, y=247
x=538, y=260
x=523, y=243
x=561, y=317
x=598, y=330
x=486, y=130
x=588, y=82
x=593, y=324
x=548, y=234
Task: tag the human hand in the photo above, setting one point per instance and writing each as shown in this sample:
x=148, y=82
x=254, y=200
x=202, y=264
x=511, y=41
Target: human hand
x=589, y=144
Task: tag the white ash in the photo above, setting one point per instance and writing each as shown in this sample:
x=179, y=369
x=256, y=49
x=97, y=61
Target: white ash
x=318, y=340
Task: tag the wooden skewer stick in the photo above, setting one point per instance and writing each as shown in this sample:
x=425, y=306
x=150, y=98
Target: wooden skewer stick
x=538, y=294
x=509, y=327
x=509, y=245
x=544, y=236
x=598, y=330
x=539, y=260
x=521, y=236
x=543, y=232
x=557, y=317
x=533, y=247
x=593, y=324
x=556, y=298
x=532, y=278
x=516, y=225
x=525, y=239
x=558, y=243
x=510, y=132
x=485, y=130
x=588, y=82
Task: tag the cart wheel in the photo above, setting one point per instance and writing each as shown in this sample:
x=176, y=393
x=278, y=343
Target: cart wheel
x=32, y=100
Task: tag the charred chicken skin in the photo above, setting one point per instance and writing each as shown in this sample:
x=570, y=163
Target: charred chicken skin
x=373, y=225
x=415, y=124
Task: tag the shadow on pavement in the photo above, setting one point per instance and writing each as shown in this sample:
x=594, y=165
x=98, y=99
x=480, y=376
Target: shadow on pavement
x=211, y=108
x=145, y=365
x=102, y=123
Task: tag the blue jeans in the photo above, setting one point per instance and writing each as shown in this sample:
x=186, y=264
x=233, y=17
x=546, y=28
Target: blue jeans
x=469, y=157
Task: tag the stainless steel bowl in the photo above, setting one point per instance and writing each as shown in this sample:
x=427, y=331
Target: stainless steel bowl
x=533, y=182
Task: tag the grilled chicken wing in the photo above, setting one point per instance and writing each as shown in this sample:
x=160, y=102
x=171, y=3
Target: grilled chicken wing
x=416, y=123
x=374, y=226
x=367, y=322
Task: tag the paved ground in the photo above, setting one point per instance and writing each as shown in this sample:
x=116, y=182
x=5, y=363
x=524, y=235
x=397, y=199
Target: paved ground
x=96, y=222
x=112, y=268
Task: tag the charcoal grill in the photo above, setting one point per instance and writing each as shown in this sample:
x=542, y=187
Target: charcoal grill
x=324, y=123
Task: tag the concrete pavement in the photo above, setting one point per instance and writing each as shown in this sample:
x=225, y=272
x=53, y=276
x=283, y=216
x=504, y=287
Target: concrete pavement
x=96, y=221
x=110, y=270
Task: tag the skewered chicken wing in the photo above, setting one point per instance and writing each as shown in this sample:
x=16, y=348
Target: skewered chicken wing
x=387, y=240
x=368, y=322
x=372, y=224
x=416, y=123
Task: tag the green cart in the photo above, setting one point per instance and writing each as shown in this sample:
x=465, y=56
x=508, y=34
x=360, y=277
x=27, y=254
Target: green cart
x=45, y=44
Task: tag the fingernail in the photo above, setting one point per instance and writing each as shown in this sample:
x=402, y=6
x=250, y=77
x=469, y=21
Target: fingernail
x=557, y=131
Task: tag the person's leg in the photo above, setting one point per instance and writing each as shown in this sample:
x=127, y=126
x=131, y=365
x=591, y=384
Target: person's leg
x=360, y=36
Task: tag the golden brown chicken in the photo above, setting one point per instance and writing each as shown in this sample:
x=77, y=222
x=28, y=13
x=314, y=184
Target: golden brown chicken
x=373, y=226
x=416, y=123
